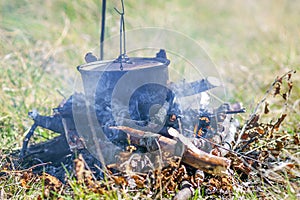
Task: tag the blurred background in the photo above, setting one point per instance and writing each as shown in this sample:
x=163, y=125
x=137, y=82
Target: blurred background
x=43, y=41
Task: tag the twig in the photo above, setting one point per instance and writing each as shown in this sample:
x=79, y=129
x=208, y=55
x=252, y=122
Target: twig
x=271, y=142
x=159, y=172
x=258, y=105
x=25, y=170
x=88, y=167
x=229, y=150
x=26, y=140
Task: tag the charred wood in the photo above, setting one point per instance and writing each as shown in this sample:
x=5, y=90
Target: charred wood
x=49, y=151
x=52, y=123
x=183, y=89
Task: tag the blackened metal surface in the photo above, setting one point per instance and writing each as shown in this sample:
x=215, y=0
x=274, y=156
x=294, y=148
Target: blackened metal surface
x=101, y=79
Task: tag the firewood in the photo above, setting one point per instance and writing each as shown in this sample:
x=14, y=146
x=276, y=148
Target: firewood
x=53, y=150
x=186, y=191
x=191, y=155
x=200, y=159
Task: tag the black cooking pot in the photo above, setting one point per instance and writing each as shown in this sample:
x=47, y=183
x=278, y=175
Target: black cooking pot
x=126, y=88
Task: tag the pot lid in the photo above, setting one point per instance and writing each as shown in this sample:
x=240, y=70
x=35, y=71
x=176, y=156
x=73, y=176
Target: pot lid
x=124, y=63
x=134, y=63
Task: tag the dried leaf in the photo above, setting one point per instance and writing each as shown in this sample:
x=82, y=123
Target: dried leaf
x=245, y=136
x=226, y=184
x=279, y=145
x=284, y=96
x=24, y=183
x=260, y=130
x=289, y=76
x=263, y=155
x=240, y=167
x=139, y=181
x=277, y=88
x=279, y=121
x=290, y=85
x=254, y=120
x=216, y=152
x=296, y=139
x=51, y=181
x=79, y=168
x=119, y=180
x=266, y=110
x=26, y=178
x=279, y=79
x=82, y=174
x=215, y=183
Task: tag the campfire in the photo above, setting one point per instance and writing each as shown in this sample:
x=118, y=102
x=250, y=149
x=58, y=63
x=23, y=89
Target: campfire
x=146, y=139
x=129, y=116
x=132, y=103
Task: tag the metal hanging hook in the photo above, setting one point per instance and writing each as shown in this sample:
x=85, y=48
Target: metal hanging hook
x=122, y=57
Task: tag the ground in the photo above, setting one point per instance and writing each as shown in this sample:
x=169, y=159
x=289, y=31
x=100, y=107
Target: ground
x=42, y=43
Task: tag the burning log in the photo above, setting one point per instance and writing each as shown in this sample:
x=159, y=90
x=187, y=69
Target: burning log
x=191, y=154
x=53, y=150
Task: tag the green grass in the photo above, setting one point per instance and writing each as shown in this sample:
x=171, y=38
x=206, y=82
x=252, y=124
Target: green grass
x=42, y=42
